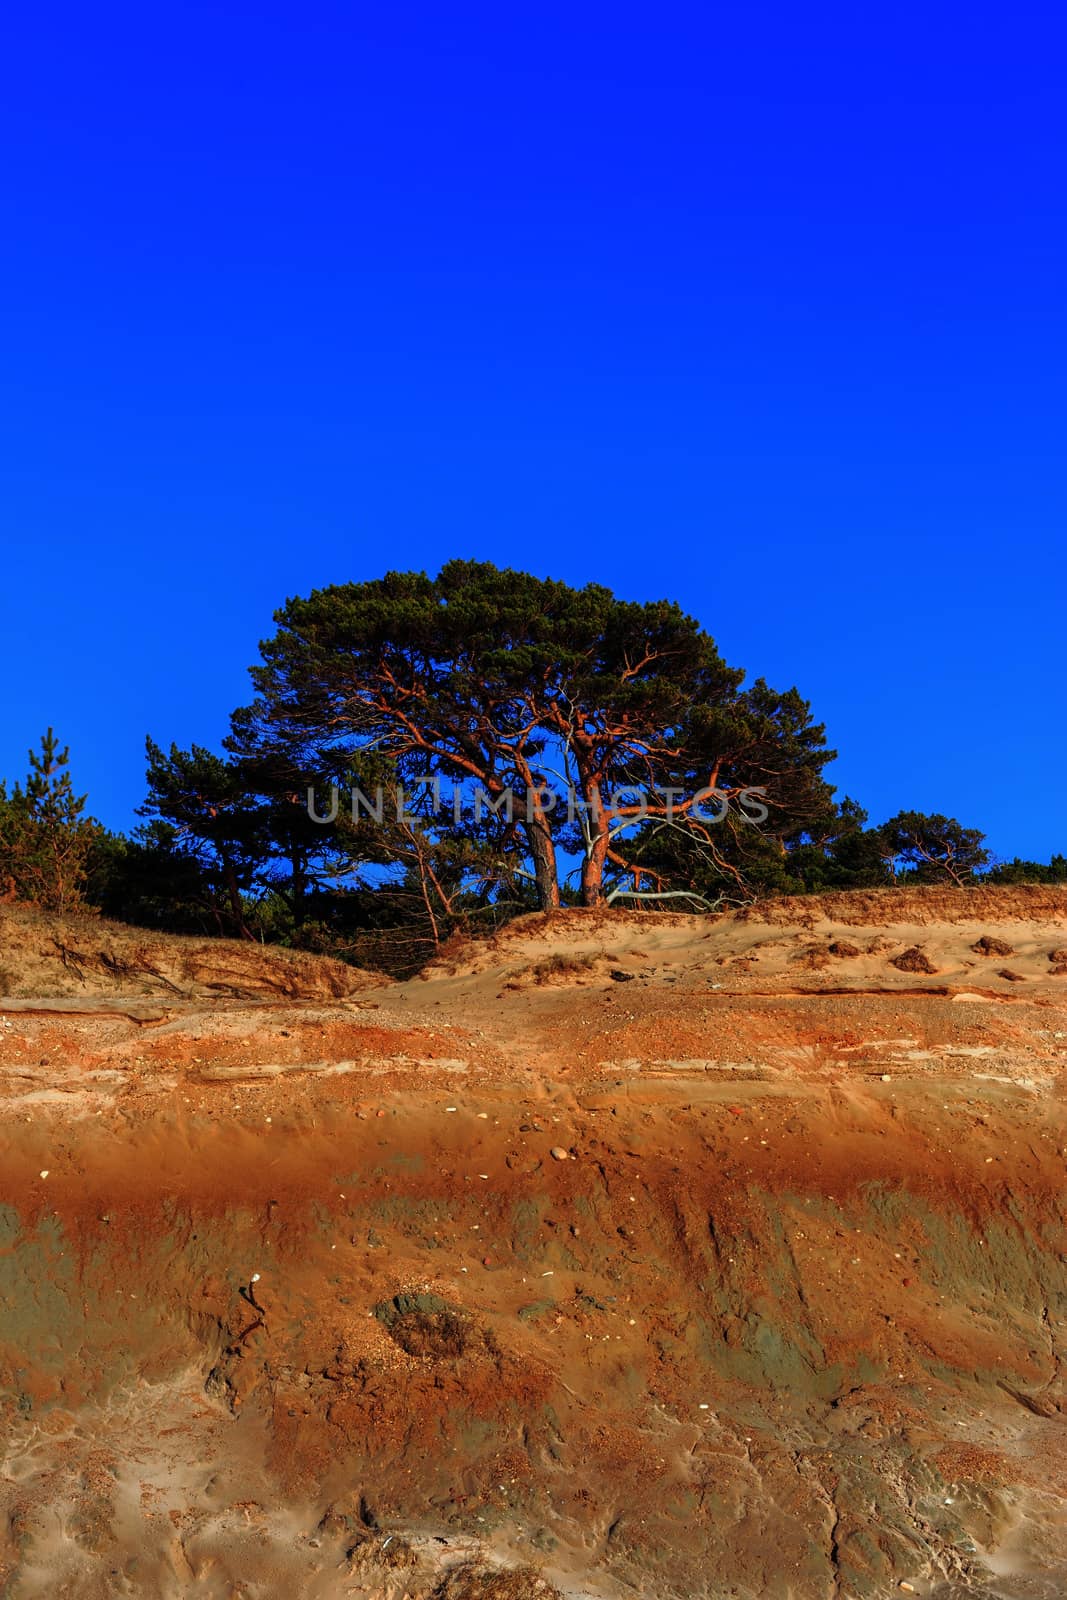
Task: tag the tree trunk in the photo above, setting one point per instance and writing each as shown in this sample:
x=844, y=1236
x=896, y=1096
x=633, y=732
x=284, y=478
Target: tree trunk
x=596, y=854
x=234, y=894
x=538, y=831
x=299, y=885
x=543, y=853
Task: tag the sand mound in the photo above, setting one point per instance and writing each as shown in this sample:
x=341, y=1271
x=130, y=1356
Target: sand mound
x=852, y=939
x=936, y=903
x=46, y=957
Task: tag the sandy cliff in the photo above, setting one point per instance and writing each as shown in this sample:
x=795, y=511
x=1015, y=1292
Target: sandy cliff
x=625, y=1255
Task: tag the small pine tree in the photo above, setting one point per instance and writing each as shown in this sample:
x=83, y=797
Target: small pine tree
x=45, y=839
x=49, y=790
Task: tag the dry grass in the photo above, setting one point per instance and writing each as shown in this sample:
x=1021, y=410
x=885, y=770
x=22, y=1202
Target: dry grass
x=561, y=967
x=478, y=1582
x=374, y=1552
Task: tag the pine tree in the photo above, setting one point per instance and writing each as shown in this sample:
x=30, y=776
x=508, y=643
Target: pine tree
x=45, y=839
x=932, y=848
x=504, y=681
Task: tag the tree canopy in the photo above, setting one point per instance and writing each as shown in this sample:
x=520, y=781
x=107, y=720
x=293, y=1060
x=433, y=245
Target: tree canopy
x=514, y=683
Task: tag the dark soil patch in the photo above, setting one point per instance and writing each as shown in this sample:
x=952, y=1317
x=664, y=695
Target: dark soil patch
x=988, y=946
x=912, y=960
x=426, y=1325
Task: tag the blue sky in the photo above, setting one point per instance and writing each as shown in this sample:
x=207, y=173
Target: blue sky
x=759, y=310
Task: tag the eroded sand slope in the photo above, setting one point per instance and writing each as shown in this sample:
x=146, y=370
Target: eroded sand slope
x=296, y=1298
